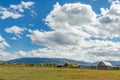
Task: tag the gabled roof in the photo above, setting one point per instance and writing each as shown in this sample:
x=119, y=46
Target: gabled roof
x=107, y=63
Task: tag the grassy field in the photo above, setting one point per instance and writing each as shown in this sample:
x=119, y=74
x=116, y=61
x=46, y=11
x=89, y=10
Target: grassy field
x=36, y=73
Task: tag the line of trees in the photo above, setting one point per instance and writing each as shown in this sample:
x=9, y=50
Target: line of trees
x=53, y=64
x=21, y=64
x=48, y=64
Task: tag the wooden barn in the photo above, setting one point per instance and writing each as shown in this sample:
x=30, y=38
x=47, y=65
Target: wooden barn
x=105, y=66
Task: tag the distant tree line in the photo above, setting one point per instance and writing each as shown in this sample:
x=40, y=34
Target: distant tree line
x=21, y=64
x=53, y=64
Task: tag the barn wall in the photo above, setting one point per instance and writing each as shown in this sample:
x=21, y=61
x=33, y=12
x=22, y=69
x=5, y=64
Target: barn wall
x=102, y=66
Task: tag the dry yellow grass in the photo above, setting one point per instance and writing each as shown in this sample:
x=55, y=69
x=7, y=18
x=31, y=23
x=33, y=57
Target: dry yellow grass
x=37, y=73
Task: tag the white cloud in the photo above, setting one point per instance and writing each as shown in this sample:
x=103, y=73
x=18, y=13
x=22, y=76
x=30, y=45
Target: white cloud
x=3, y=43
x=5, y=13
x=88, y=51
x=14, y=11
x=15, y=30
x=77, y=53
x=5, y=56
x=13, y=38
x=54, y=38
x=31, y=25
x=74, y=22
x=110, y=21
x=22, y=6
x=104, y=11
x=72, y=26
x=70, y=15
x=69, y=24
x=114, y=1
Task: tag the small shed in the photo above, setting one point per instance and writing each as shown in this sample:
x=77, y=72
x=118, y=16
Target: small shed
x=76, y=66
x=60, y=65
x=105, y=66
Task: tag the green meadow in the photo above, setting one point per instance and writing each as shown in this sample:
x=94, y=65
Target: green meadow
x=39, y=73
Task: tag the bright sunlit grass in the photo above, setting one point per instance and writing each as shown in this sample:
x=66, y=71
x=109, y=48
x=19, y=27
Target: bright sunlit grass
x=37, y=73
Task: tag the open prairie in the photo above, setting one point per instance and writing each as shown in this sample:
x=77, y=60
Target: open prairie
x=37, y=73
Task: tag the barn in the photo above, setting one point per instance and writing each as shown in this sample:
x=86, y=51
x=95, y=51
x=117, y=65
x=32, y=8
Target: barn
x=105, y=66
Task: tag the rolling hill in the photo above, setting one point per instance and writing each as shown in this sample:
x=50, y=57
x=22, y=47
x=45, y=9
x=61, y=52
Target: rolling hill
x=46, y=60
x=57, y=60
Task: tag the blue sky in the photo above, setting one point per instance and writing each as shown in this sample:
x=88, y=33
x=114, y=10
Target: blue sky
x=73, y=29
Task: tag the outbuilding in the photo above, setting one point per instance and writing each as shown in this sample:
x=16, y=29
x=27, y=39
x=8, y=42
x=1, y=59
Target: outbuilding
x=105, y=66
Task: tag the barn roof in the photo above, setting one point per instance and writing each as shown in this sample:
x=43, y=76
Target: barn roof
x=107, y=63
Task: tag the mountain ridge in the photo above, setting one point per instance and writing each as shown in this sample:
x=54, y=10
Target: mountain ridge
x=57, y=60
x=46, y=60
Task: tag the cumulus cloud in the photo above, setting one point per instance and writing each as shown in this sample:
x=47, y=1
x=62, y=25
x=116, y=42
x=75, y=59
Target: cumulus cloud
x=13, y=38
x=114, y=1
x=5, y=56
x=14, y=11
x=22, y=6
x=78, y=33
x=3, y=43
x=72, y=24
x=15, y=30
x=110, y=21
x=88, y=51
x=68, y=25
x=70, y=15
x=6, y=14
x=54, y=38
